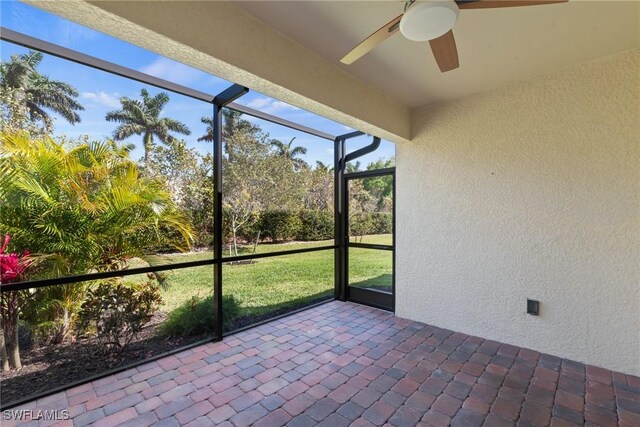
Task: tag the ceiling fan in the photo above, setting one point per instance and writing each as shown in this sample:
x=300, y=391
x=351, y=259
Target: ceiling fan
x=432, y=21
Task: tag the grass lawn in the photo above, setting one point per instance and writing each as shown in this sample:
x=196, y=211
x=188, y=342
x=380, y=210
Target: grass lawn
x=272, y=283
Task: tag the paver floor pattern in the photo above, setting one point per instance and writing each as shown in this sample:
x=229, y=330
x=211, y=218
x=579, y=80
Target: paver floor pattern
x=343, y=364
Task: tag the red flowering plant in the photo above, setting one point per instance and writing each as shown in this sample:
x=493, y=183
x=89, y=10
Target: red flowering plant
x=12, y=266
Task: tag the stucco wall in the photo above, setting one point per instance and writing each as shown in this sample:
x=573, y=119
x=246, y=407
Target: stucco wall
x=529, y=191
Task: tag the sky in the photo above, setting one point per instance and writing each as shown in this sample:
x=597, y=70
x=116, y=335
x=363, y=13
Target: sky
x=100, y=91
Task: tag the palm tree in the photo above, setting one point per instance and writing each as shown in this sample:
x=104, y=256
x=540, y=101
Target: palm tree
x=352, y=167
x=321, y=166
x=142, y=117
x=37, y=92
x=233, y=123
x=291, y=154
x=207, y=137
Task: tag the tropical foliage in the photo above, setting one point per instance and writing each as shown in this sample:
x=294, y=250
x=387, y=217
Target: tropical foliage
x=290, y=154
x=12, y=268
x=79, y=208
x=143, y=117
x=36, y=92
x=83, y=207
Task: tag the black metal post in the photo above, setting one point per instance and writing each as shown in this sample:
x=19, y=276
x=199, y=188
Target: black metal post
x=344, y=224
x=225, y=97
x=338, y=233
x=341, y=220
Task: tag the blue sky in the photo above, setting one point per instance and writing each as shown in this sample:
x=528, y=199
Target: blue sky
x=100, y=91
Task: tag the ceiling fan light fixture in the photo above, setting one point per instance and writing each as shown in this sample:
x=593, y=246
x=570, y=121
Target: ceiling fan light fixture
x=428, y=20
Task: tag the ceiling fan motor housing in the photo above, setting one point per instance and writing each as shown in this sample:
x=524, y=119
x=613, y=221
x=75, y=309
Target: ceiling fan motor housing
x=429, y=20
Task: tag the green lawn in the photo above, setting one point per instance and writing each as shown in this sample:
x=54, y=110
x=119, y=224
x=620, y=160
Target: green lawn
x=272, y=283
x=377, y=239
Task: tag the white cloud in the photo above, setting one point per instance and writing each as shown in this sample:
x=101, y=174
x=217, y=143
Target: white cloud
x=270, y=106
x=259, y=103
x=279, y=105
x=111, y=100
x=172, y=71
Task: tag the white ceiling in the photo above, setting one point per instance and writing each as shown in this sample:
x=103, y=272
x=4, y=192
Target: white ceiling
x=495, y=46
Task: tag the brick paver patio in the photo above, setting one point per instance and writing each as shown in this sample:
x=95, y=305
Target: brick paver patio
x=345, y=364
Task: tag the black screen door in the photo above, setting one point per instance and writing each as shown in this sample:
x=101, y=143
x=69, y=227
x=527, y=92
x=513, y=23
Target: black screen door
x=370, y=237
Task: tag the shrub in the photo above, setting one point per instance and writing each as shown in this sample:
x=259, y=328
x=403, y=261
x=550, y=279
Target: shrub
x=360, y=224
x=381, y=223
x=203, y=239
x=365, y=223
x=280, y=225
x=196, y=317
x=315, y=225
x=114, y=312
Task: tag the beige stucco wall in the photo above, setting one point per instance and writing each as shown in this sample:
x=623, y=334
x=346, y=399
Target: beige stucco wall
x=531, y=190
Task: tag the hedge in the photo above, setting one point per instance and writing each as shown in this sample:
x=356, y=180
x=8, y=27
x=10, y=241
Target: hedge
x=315, y=225
x=280, y=226
x=304, y=225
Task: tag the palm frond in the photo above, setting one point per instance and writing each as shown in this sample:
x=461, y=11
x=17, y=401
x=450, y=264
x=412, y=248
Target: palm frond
x=175, y=126
x=40, y=92
x=126, y=130
x=298, y=151
x=142, y=117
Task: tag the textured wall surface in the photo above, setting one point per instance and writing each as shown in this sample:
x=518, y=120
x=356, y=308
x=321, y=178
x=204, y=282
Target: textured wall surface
x=529, y=191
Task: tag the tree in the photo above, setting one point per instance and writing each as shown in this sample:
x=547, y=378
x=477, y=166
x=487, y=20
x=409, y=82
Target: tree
x=78, y=210
x=232, y=123
x=370, y=199
x=243, y=147
x=381, y=187
x=245, y=171
x=285, y=151
x=361, y=205
x=382, y=163
x=175, y=164
x=199, y=201
x=12, y=266
x=254, y=179
x=352, y=167
x=207, y=137
x=318, y=194
x=142, y=117
x=37, y=92
x=14, y=115
x=323, y=166
x=189, y=177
